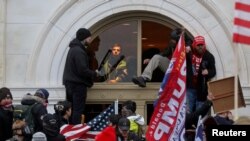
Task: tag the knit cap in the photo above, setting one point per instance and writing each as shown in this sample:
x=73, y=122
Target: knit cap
x=82, y=34
x=5, y=92
x=43, y=93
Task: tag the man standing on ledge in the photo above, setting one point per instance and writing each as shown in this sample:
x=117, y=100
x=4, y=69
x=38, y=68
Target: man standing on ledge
x=77, y=76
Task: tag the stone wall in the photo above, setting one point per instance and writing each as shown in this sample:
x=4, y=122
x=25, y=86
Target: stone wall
x=34, y=35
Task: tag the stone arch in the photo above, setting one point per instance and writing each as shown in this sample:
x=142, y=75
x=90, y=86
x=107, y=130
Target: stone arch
x=46, y=64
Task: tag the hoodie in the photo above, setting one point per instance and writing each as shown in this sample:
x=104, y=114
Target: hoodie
x=76, y=68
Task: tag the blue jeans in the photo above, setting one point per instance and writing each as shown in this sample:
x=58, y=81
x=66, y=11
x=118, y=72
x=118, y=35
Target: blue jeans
x=191, y=100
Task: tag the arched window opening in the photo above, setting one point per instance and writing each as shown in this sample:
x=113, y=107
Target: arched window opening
x=138, y=36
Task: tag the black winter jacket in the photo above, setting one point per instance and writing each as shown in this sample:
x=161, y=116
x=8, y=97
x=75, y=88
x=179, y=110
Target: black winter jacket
x=38, y=111
x=57, y=137
x=208, y=62
x=76, y=68
x=6, y=121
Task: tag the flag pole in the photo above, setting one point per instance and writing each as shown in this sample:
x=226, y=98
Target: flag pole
x=116, y=107
x=236, y=83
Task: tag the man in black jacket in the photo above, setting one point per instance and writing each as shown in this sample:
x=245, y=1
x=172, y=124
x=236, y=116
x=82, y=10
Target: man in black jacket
x=51, y=128
x=77, y=76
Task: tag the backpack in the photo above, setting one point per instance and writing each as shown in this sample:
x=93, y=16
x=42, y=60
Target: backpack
x=24, y=113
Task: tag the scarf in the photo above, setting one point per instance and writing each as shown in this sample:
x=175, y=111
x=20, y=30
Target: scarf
x=196, y=61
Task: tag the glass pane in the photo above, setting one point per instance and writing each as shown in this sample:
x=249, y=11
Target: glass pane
x=121, y=40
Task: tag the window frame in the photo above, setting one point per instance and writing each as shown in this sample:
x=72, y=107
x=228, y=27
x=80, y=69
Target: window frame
x=124, y=17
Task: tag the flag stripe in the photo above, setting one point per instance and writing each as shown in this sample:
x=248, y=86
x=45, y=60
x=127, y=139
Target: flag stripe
x=241, y=38
x=77, y=131
x=241, y=22
x=67, y=128
x=242, y=15
x=241, y=30
x=77, y=135
x=74, y=131
x=242, y=6
x=243, y=1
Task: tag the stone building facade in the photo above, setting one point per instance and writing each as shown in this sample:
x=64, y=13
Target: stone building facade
x=34, y=35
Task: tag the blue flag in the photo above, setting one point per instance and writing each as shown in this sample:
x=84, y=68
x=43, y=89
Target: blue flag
x=199, y=130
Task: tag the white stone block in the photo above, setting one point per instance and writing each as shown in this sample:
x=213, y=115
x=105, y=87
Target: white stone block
x=22, y=38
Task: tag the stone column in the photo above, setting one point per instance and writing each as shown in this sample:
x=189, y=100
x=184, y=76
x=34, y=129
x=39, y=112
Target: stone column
x=140, y=108
x=2, y=39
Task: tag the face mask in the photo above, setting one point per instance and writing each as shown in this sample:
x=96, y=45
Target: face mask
x=6, y=103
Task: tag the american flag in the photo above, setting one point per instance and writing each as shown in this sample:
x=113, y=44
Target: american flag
x=81, y=131
x=241, y=31
x=101, y=121
x=72, y=132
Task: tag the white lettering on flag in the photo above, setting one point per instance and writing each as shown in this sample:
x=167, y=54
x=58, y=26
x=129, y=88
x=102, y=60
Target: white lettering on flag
x=168, y=119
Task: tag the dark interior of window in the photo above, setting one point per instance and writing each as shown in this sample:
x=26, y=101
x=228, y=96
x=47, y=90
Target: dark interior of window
x=155, y=37
x=150, y=110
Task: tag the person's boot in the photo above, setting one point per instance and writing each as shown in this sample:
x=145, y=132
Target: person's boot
x=140, y=81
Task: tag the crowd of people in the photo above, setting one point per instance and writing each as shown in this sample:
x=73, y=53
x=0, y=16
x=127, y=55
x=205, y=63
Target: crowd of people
x=36, y=123
x=79, y=75
x=127, y=125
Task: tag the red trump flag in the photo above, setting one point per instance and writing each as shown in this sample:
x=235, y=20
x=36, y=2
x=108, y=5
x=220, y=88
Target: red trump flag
x=168, y=120
x=241, y=31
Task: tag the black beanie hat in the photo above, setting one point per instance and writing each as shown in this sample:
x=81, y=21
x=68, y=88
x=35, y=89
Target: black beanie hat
x=82, y=34
x=4, y=92
x=43, y=93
